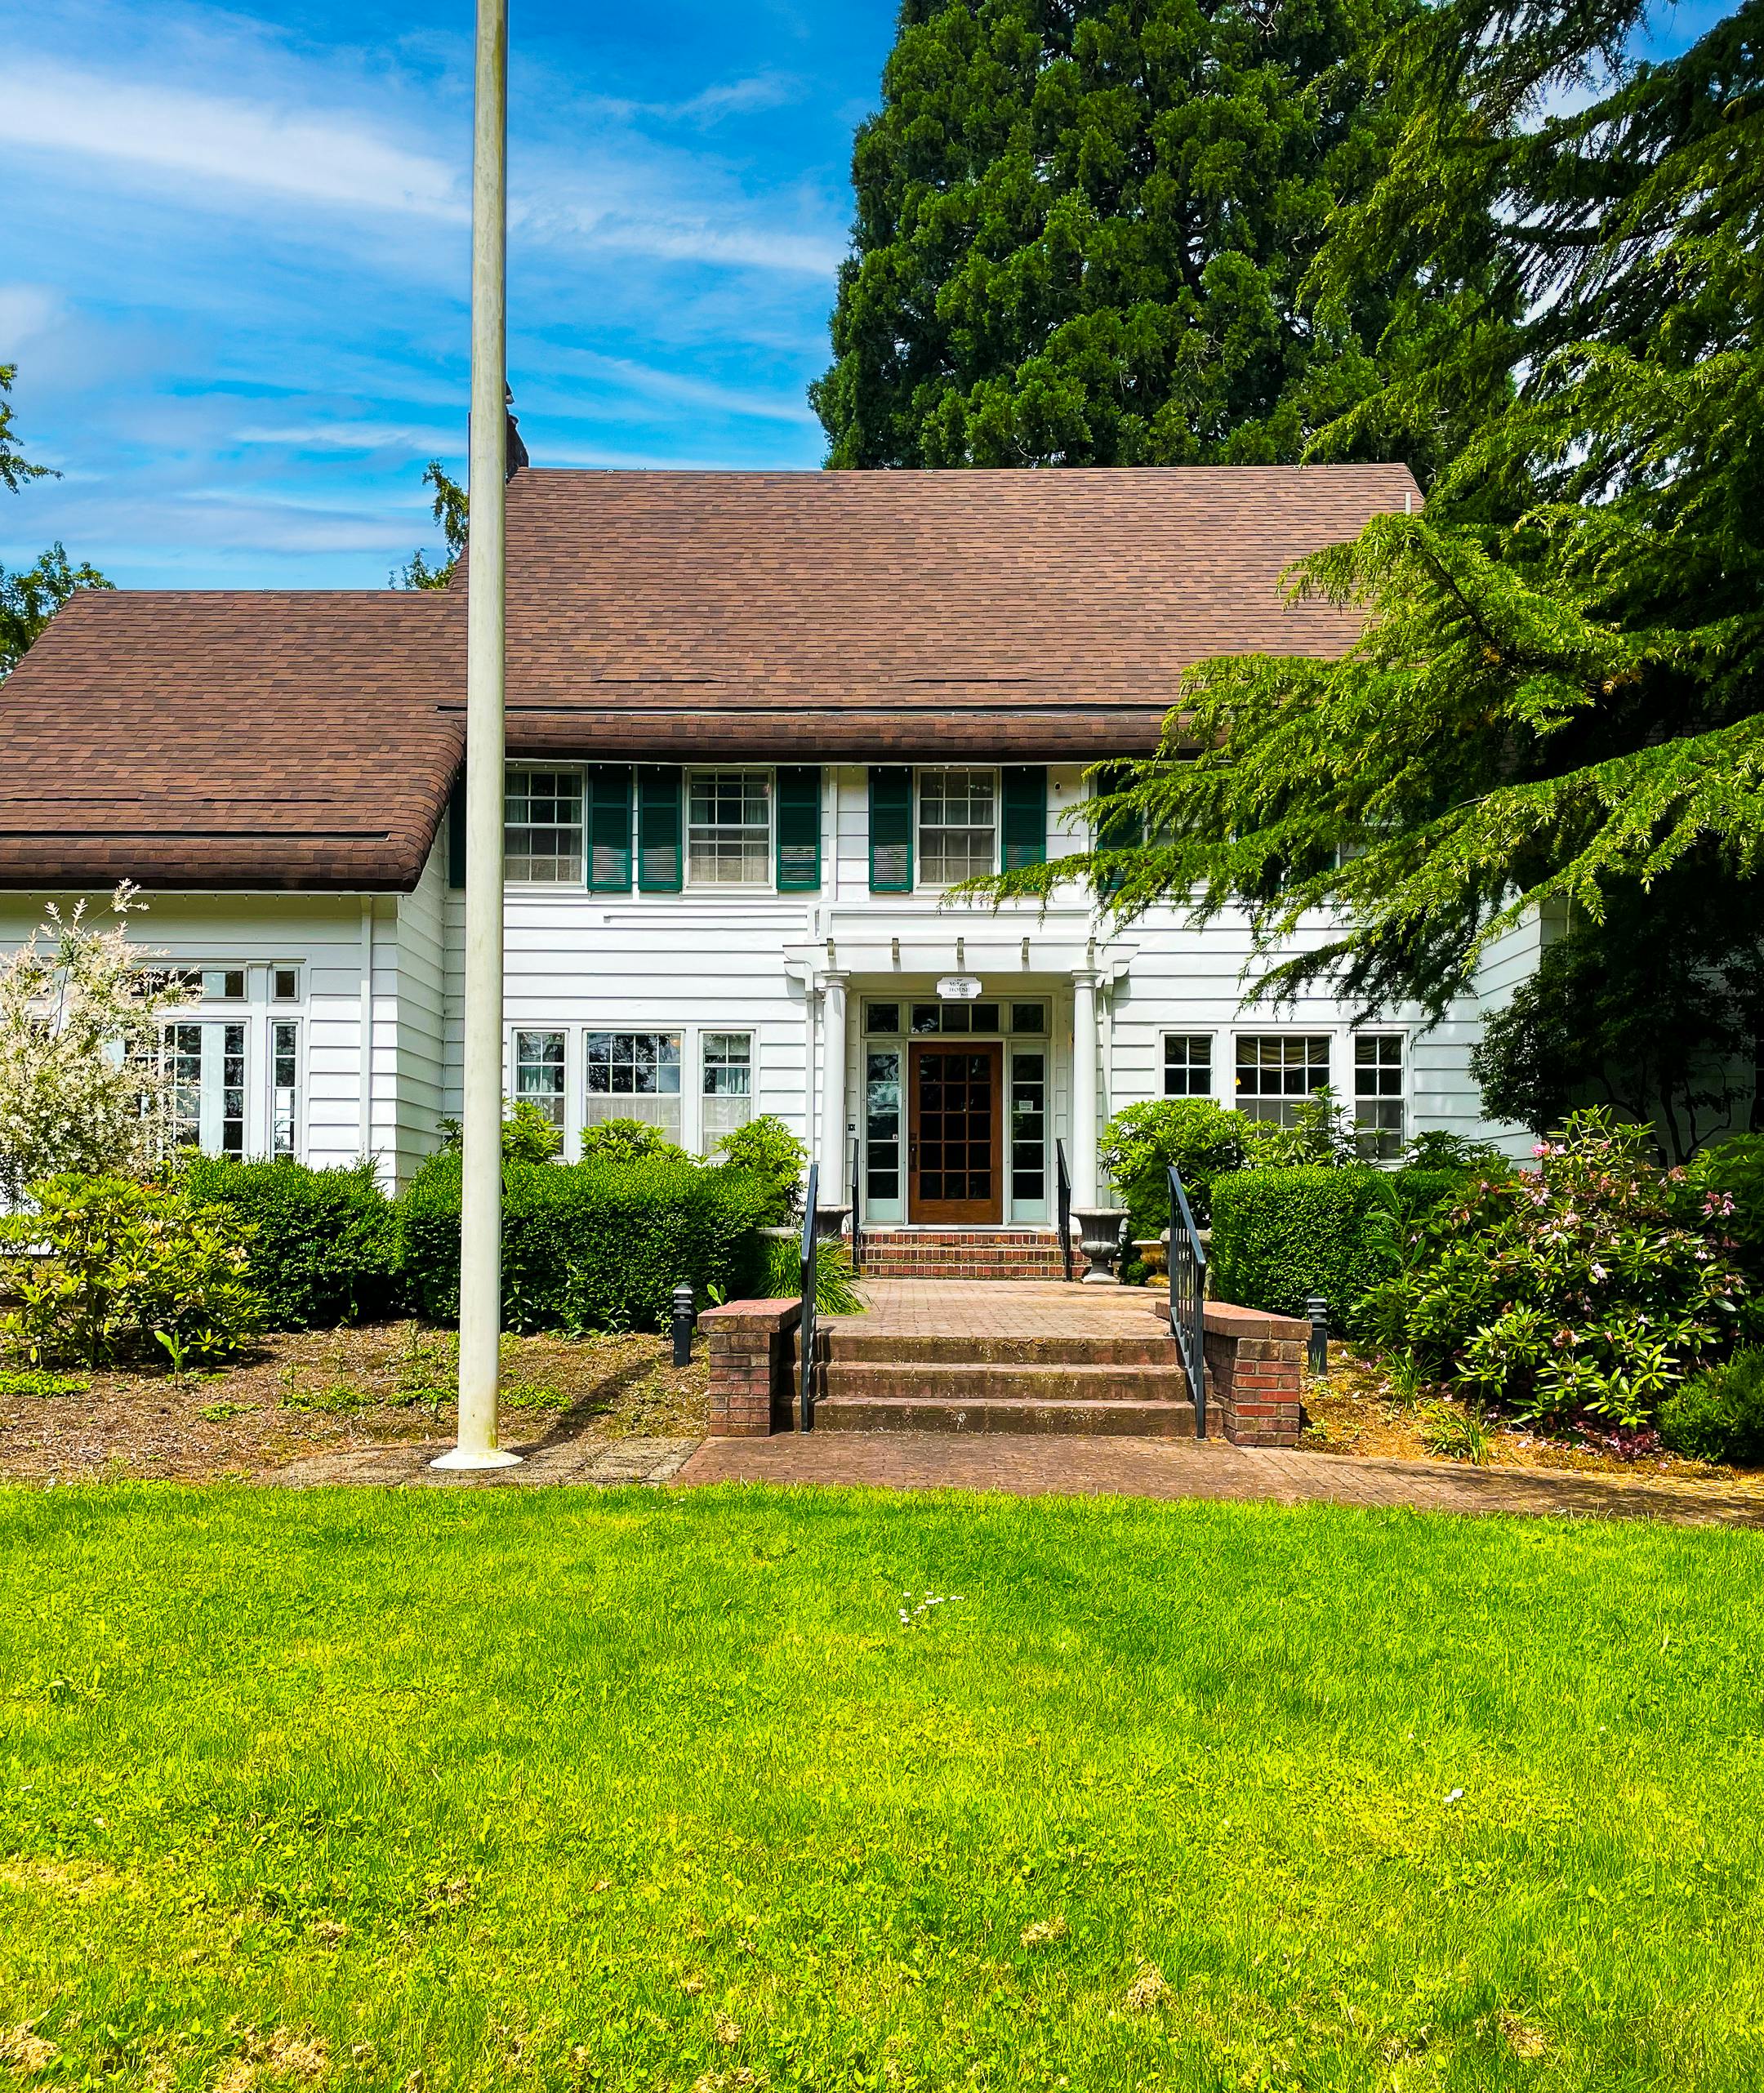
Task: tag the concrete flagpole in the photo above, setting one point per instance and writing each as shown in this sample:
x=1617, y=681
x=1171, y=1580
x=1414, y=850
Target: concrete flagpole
x=481, y=1164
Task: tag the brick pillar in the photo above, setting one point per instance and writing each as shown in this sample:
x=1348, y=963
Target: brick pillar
x=1255, y=1367
x=752, y=1351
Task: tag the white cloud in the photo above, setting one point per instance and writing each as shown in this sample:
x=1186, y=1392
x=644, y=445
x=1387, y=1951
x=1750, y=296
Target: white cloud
x=28, y=313
x=357, y=436
x=672, y=386
x=323, y=158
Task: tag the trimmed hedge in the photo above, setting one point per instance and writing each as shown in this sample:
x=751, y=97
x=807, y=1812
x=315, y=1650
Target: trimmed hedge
x=327, y=1246
x=1281, y=1235
x=1719, y=1415
x=591, y=1245
x=1418, y=1190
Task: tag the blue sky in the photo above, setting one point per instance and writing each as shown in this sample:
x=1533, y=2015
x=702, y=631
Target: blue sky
x=235, y=270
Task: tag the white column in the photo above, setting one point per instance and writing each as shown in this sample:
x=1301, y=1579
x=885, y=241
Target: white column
x=481, y=1118
x=1083, y=1088
x=833, y=1187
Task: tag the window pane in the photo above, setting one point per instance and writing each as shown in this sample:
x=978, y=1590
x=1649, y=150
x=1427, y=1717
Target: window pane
x=1027, y=1017
x=286, y=985
x=727, y=1084
x=284, y=1089
x=223, y=984
x=882, y=1018
x=1187, y=1065
x=1378, y=1096
x=634, y=1076
x=729, y=833
x=882, y=1114
x=958, y=825
x=539, y=1073
x=1028, y=1126
x=1276, y=1071
x=542, y=825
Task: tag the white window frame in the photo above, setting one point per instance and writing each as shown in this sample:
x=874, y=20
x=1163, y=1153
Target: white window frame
x=515, y=1094
x=1354, y=1100
x=1211, y=1039
x=921, y=880
x=561, y=883
x=705, y=1136
x=212, y=1118
x=1284, y=1098
x=683, y=1133
x=768, y=777
x=296, y=1121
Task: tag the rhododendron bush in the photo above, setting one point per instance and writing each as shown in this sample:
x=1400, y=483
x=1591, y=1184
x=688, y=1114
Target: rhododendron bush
x=1590, y=1286
x=73, y=1099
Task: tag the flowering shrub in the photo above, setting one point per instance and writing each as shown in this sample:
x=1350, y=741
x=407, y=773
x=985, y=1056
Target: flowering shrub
x=1591, y=1285
x=134, y=1271
x=73, y=999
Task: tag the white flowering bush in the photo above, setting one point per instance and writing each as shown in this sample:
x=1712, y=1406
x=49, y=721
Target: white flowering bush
x=74, y=999
x=1588, y=1287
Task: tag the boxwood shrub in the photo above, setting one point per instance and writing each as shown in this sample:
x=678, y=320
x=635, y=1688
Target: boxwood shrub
x=598, y=1245
x=326, y=1249
x=1281, y=1235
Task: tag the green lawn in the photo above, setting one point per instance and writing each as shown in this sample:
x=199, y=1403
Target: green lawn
x=536, y=1788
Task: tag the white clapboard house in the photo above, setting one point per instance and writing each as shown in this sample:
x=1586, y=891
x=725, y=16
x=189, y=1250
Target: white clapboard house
x=758, y=724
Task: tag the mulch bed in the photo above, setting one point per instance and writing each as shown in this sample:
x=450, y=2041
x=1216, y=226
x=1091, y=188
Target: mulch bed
x=331, y=1391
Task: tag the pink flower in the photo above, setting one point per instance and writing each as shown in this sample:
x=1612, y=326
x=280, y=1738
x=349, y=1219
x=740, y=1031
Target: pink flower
x=1597, y=1270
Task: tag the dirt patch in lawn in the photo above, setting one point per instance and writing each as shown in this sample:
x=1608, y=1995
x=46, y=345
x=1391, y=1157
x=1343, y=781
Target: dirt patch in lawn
x=1357, y=1411
x=321, y=1392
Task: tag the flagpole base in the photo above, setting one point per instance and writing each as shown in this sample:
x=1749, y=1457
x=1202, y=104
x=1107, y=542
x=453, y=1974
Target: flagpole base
x=476, y=1456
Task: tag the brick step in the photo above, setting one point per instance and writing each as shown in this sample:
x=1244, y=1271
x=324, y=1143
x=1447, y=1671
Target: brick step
x=888, y=1232
x=966, y=1381
x=846, y=1342
x=1025, y=1274
x=1134, y=1420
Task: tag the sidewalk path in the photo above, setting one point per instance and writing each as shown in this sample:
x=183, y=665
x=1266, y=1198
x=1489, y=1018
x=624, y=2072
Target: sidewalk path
x=1046, y=1465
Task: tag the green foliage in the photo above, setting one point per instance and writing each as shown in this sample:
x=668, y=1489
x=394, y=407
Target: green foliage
x=451, y=509
x=1726, y=1183
x=1418, y=1190
x=767, y=1147
x=1459, y=1434
x=1199, y=1139
x=1281, y=1236
x=1081, y=233
x=324, y=1243
x=1577, y=1289
x=835, y=1283
x=33, y=1381
x=527, y=1135
x=132, y=1272
x=1435, y=1149
x=1719, y=1415
x=1655, y=1011
x=1557, y=697
x=629, y=1141
x=599, y=1245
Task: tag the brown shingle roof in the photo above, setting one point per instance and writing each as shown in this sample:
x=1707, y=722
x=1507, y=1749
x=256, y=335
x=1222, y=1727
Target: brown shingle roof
x=271, y=739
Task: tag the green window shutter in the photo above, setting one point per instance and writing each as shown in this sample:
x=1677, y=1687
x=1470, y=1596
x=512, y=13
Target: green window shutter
x=658, y=830
x=608, y=853
x=798, y=829
x=456, y=833
x=1025, y=797
x=891, y=838
x=1122, y=831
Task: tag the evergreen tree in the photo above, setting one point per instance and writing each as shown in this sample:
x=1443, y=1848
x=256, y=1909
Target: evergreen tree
x=1082, y=230
x=1560, y=692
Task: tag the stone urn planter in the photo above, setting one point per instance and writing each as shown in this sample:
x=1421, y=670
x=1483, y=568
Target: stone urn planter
x=1154, y=1255
x=1099, y=1231
x=830, y=1222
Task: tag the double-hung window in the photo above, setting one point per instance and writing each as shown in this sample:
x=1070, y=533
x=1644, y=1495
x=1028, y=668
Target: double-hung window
x=728, y=829
x=539, y=1073
x=1276, y=1071
x=727, y=1077
x=1379, y=1095
x=634, y=1076
x=1187, y=1064
x=542, y=826
x=958, y=825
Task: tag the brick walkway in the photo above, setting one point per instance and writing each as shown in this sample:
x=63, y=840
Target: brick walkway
x=960, y=1307
x=603, y=1462
x=1042, y=1466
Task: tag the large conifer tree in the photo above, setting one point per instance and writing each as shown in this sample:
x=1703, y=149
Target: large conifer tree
x=1082, y=229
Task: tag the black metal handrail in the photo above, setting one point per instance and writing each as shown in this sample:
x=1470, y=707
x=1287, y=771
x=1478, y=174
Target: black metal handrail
x=805, y=1329
x=857, y=1209
x=1187, y=1297
x=1062, y=1204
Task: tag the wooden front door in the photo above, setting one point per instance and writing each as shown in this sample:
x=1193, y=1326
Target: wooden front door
x=955, y=1150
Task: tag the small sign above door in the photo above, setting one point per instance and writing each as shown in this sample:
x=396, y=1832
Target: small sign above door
x=959, y=988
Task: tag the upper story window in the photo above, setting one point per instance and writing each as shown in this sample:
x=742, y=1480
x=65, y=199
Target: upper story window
x=542, y=825
x=958, y=825
x=728, y=829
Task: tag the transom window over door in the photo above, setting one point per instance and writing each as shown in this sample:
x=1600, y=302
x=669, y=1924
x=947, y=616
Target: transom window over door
x=728, y=830
x=542, y=826
x=958, y=825
x=634, y=1076
x=1276, y=1071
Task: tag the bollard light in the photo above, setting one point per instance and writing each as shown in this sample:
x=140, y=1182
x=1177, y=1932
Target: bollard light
x=683, y=1320
x=1317, y=1308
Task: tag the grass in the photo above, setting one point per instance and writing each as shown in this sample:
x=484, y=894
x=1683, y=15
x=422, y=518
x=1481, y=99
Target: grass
x=541, y=1789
